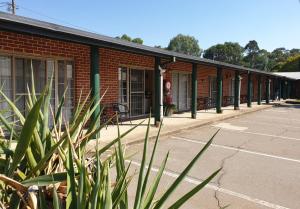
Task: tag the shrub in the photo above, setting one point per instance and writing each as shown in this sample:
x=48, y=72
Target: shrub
x=46, y=165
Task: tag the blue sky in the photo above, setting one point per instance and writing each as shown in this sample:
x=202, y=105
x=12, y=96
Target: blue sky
x=273, y=23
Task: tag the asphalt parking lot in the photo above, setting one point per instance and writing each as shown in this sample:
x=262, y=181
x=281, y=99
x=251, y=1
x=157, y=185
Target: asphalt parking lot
x=259, y=154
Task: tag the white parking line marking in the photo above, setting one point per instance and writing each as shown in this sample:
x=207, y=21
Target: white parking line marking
x=216, y=188
x=257, y=133
x=230, y=127
x=274, y=110
x=237, y=149
x=277, y=118
x=270, y=135
x=268, y=124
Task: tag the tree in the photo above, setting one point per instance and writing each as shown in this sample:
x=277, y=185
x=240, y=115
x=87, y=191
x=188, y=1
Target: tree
x=185, y=44
x=137, y=40
x=128, y=38
x=279, y=54
x=125, y=37
x=294, y=52
x=277, y=57
x=228, y=52
x=251, y=50
x=291, y=65
x=262, y=60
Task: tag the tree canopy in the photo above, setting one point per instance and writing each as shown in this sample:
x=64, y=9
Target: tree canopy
x=251, y=55
x=128, y=38
x=185, y=44
x=292, y=64
x=228, y=52
x=138, y=40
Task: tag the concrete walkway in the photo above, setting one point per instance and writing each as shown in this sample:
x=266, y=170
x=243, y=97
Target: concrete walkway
x=174, y=123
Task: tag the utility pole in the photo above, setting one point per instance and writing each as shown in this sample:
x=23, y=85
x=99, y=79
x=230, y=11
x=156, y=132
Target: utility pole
x=13, y=7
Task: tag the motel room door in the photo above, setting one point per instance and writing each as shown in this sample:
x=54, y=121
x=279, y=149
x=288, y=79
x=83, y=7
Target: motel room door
x=137, y=92
x=181, y=88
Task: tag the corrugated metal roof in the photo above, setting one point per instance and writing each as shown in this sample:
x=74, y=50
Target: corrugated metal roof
x=28, y=25
x=292, y=75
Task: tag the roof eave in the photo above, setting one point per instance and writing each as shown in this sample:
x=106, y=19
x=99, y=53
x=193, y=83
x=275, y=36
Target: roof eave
x=35, y=27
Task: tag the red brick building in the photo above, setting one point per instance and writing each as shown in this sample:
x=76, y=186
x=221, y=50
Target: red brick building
x=136, y=76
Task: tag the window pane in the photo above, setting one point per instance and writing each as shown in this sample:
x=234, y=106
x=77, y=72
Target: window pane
x=6, y=85
x=39, y=74
x=70, y=90
x=51, y=73
x=123, y=85
x=20, y=84
x=65, y=82
x=61, y=79
x=24, y=67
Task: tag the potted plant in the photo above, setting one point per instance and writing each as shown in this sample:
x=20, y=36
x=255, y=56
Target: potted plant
x=170, y=109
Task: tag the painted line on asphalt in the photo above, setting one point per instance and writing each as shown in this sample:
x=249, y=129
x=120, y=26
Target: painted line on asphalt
x=275, y=110
x=238, y=149
x=270, y=135
x=263, y=123
x=256, y=133
x=216, y=188
x=279, y=118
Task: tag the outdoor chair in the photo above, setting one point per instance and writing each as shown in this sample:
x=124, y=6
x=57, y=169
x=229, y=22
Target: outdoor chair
x=122, y=111
x=209, y=103
x=228, y=100
x=105, y=115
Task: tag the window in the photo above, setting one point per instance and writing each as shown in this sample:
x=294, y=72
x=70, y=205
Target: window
x=65, y=85
x=123, y=85
x=23, y=79
x=6, y=85
x=17, y=80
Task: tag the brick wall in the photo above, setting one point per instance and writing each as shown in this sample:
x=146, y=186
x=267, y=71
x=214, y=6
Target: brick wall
x=228, y=75
x=27, y=45
x=177, y=66
x=110, y=61
x=204, y=73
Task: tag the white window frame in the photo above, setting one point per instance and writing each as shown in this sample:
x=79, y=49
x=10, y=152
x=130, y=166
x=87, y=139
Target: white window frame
x=13, y=58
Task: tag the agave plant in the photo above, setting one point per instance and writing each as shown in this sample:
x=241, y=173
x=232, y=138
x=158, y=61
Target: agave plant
x=46, y=165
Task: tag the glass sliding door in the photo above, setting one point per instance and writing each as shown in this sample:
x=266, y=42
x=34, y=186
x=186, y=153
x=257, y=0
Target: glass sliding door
x=132, y=90
x=181, y=91
x=123, y=90
x=137, y=92
x=175, y=90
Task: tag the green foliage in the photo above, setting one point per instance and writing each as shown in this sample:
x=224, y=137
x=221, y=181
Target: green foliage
x=128, y=38
x=137, y=40
x=252, y=47
x=48, y=165
x=228, y=52
x=252, y=53
x=185, y=44
x=291, y=65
